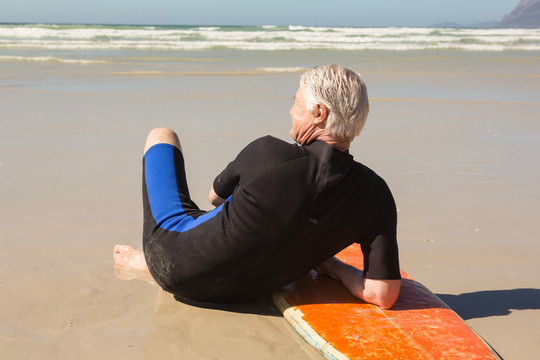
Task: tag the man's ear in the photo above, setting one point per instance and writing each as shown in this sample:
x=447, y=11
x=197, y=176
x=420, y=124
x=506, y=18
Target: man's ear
x=321, y=114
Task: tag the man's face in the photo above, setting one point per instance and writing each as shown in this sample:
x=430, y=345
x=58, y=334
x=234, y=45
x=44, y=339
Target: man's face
x=302, y=119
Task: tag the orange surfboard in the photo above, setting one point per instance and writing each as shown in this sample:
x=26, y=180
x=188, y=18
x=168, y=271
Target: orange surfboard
x=340, y=326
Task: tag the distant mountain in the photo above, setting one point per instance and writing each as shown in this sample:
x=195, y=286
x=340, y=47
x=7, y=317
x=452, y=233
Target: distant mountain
x=525, y=15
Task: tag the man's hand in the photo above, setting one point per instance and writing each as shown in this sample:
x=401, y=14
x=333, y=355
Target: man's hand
x=214, y=198
x=383, y=293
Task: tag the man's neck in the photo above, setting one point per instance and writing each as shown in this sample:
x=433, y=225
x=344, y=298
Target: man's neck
x=317, y=133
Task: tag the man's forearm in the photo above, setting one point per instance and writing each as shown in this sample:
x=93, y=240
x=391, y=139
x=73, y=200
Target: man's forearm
x=351, y=277
x=383, y=293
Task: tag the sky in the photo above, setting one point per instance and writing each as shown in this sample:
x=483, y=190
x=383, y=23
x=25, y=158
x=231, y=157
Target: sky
x=250, y=12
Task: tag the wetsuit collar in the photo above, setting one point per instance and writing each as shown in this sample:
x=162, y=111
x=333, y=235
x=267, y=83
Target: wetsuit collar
x=327, y=153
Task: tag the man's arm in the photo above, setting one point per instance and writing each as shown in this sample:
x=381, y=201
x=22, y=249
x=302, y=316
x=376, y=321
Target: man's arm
x=383, y=293
x=214, y=198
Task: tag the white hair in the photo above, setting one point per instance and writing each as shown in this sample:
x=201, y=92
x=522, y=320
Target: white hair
x=343, y=93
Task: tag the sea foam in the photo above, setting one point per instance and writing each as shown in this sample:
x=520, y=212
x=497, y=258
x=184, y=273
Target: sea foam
x=264, y=38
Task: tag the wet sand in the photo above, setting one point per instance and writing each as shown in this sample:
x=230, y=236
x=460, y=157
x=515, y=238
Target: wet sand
x=456, y=138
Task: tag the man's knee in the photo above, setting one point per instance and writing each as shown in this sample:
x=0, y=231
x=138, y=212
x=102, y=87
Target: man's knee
x=161, y=135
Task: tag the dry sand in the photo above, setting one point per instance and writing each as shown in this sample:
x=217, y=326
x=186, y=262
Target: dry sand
x=462, y=163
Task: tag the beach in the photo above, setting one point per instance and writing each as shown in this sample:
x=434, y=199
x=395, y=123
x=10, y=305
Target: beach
x=454, y=132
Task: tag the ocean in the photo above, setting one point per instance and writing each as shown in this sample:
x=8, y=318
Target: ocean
x=102, y=43
x=143, y=50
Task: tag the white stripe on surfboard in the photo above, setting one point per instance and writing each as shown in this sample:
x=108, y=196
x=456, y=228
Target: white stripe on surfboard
x=295, y=318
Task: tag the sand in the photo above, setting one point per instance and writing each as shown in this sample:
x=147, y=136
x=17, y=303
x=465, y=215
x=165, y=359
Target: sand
x=456, y=136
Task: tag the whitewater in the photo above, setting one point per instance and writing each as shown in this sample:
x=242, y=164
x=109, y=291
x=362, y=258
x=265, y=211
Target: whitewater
x=45, y=37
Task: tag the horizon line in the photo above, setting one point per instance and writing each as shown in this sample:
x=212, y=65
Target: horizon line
x=449, y=25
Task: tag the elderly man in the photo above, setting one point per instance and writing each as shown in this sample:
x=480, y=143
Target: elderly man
x=281, y=209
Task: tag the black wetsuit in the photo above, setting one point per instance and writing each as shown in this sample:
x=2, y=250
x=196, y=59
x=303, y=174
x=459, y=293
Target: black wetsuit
x=288, y=209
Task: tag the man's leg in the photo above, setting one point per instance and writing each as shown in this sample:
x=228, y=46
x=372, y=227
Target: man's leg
x=125, y=255
x=161, y=136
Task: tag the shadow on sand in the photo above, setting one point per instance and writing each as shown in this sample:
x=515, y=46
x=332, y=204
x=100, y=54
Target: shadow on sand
x=482, y=304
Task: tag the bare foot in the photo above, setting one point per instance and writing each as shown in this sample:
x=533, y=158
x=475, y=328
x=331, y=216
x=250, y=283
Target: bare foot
x=128, y=257
x=124, y=273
